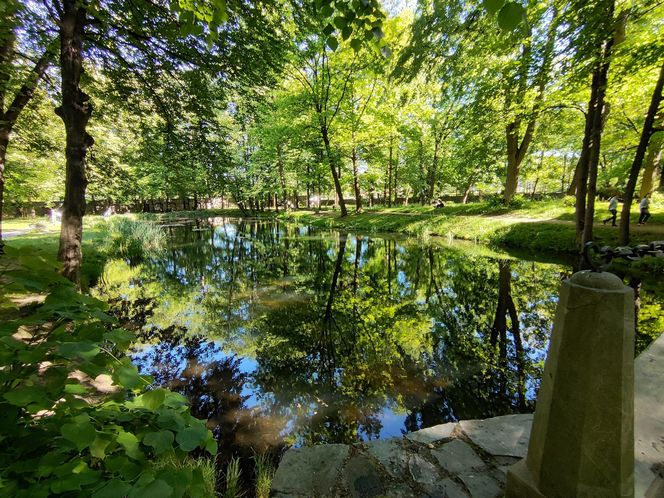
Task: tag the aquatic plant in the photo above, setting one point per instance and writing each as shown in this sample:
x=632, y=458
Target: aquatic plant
x=134, y=239
x=264, y=469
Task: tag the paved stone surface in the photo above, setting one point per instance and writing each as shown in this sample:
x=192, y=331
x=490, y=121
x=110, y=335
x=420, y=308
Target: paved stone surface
x=433, y=434
x=363, y=477
x=457, y=456
x=310, y=471
x=391, y=454
x=504, y=436
x=481, y=485
x=649, y=421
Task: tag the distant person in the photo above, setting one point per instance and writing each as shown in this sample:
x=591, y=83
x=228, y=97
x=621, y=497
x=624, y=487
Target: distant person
x=645, y=209
x=56, y=215
x=110, y=210
x=613, y=209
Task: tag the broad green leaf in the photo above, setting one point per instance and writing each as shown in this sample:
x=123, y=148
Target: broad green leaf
x=82, y=434
x=340, y=22
x=153, y=399
x=156, y=489
x=161, y=441
x=127, y=376
x=192, y=437
x=23, y=396
x=75, y=389
x=326, y=11
x=84, y=350
x=130, y=443
x=98, y=447
x=510, y=16
x=493, y=6
x=332, y=42
x=113, y=489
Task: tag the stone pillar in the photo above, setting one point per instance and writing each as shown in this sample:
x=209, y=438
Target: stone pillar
x=582, y=439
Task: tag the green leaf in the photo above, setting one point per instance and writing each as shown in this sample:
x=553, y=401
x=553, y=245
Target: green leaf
x=192, y=437
x=332, y=42
x=23, y=396
x=340, y=22
x=84, y=350
x=356, y=44
x=161, y=441
x=328, y=30
x=120, y=337
x=112, y=489
x=82, y=434
x=346, y=32
x=156, y=489
x=510, y=16
x=127, y=376
x=493, y=6
x=326, y=11
x=98, y=447
x=153, y=399
x=75, y=389
x=130, y=443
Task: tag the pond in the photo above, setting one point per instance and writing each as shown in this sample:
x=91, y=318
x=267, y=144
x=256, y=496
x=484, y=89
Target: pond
x=285, y=334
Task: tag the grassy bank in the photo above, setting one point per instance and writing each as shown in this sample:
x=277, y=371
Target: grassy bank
x=516, y=229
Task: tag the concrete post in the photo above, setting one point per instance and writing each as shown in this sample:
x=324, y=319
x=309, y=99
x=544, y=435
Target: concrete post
x=582, y=439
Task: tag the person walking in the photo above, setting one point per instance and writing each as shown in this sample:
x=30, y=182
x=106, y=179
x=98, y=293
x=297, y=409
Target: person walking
x=645, y=209
x=613, y=209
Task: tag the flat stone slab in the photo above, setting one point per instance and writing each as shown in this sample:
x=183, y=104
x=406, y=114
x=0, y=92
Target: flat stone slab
x=391, y=454
x=649, y=421
x=363, y=477
x=457, y=456
x=500, y=436
x=311, y=470
x=481, y=485
x=433, y=434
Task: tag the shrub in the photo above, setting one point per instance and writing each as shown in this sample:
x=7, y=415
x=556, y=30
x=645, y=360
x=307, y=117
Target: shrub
x=134, y=239
x=78, y=419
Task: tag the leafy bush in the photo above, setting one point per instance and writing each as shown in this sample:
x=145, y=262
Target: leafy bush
x=77, y=417
x=134, y=239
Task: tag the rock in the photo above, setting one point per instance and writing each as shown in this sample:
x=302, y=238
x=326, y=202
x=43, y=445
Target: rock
x=433, y=434
x=457, y=456
x=391, y=454
x=506, y=436
x=428, y=477
x=481, y=485
x=363, y=477
x=402, y=491
x=309, y=471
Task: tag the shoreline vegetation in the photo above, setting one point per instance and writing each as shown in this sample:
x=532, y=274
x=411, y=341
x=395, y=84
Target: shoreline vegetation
x=535, y=227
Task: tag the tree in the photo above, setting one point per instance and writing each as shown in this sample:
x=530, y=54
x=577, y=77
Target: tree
x=646, y=133
x=17, y=86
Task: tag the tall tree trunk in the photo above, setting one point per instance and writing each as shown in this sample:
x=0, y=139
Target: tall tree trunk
x=395, y=175
x=356, y=181
x=516, y=147
x=4, y=143
x=333, y=168
x=646, y=133
x=282, y=176
x=433, y=170
x=389, y=174
x=595, y=117
x=652, y=163
x=75, y=112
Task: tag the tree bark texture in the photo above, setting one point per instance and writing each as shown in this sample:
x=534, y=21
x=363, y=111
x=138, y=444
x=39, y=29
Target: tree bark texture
x=75, y=112
x=646, y=133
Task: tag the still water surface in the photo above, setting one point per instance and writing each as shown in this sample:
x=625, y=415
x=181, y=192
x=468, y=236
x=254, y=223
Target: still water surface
x=288, y=334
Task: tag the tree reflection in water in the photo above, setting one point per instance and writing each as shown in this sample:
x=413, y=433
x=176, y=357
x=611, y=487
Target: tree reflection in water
x=286, y=334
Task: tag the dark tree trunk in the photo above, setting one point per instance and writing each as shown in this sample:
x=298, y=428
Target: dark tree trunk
x=4, y=143
x=646, y=133
x=356, y=181
x=75, y=112
x=433, y=170
x=332, y=161
x=389, y=175
x=653, y=161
